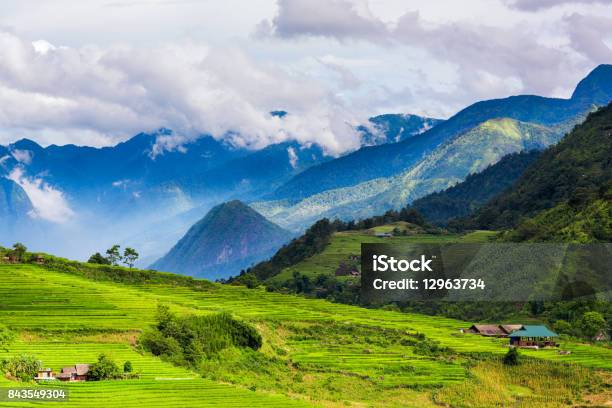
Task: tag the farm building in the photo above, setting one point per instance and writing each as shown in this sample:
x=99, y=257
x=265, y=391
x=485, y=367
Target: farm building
x=44, y=374
x=384, y=235
x=78, y=372
x=509, y=328
x=533, y=336
x=487, y=330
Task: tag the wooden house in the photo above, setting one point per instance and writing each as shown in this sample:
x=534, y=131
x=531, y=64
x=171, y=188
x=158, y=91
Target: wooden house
x=78, y=372
x=492, y=330
x=509, y=328
x=533, y=337
x=44, y=374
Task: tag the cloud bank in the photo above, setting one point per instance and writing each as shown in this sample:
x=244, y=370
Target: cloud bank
x=49, y=204
x=189, y=88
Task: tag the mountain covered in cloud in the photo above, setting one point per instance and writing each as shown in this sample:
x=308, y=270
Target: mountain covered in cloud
x=231, y=237
x=374, y=179
x=158, y=179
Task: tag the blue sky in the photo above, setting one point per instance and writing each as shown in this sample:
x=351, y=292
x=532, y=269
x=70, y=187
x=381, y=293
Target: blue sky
x=99, y=71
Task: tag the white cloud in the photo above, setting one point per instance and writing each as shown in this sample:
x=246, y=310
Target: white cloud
x=536, y=54
x=189, y=88
x=22, y=156
x=49, y=204
x=536, y=5
x=293, y=158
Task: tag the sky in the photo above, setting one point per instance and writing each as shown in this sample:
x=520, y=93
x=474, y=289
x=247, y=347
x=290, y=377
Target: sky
x=99, y=71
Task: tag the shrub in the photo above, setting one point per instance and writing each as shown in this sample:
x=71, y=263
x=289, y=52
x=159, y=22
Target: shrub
x=23, y=367
x=190, y=339
x=104, y=369
x=512, y=357
x=127, y=367
x=6, y=337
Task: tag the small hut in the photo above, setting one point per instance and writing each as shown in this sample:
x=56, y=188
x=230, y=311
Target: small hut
x=509, y=328
x=44, y=374
x=492, y=330
x=533, y=336
x=78, y=372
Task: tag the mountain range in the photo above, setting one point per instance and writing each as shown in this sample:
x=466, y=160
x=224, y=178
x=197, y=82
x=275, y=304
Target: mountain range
x=148, y=190
x=374, y=179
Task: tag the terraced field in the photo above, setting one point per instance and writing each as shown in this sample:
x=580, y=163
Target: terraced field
x=315, y=352
x=345, y=244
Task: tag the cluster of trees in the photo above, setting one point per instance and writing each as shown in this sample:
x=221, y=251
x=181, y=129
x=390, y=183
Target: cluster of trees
x=106, y=369
x=114, y=257
x=321, y=287
x=187, y=340
x=18, y=252
x=23, y=367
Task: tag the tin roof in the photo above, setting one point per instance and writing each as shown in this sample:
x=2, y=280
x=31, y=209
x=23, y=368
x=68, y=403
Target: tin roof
x=533, y=331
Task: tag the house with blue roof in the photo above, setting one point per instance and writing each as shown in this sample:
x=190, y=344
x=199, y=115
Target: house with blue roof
x=533, y=337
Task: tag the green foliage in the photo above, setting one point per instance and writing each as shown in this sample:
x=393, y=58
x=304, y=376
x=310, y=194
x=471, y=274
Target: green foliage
x=113, y=255
x=563, y=327
x=19, y=251
x=104, y=369
x=188, y=340
x=23, y=367
x=592, y=323
x=512, y=357
x=564, y=195
x=99, y=259
x=466, y=197
x=129, y=257
x=127, y=367
x=6, y=337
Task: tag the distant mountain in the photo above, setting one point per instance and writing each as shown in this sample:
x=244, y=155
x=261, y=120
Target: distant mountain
x=466, y=197
x=566, y=195
x=14, y=202
x=450, y=163
x=390, y=159
x=15, y=209
x=232, y=236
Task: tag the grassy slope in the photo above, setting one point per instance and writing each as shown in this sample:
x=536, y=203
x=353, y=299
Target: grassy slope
x=345, y=244
x=356, y=359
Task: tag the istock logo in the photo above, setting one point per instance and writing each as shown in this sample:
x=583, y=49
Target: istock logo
x=383, y=263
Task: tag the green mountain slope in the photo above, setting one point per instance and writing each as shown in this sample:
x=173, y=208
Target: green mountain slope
x=572, y=180
x=450, y=163
x=230, y=237
x=466, y=197
x=387, y=160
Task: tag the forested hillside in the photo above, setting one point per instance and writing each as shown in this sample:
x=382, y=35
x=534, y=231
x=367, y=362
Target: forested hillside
x=466, y=197
x=564, y=196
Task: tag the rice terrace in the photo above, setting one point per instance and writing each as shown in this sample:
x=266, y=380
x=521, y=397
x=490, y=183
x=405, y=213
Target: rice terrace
x=313, y=352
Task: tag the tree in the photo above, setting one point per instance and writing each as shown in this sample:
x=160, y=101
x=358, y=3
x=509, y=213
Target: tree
x=24, y=367
x=127, y=367
x=130, y=256
x=104, y=369
x=97, y=258
x=563, y=327
x=6, y=337
x=592, y=323
x=512, y=357
x=19, y=250
x=113, y=255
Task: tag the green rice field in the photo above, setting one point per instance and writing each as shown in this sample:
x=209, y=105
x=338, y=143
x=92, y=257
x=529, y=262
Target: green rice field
x=315, y=353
